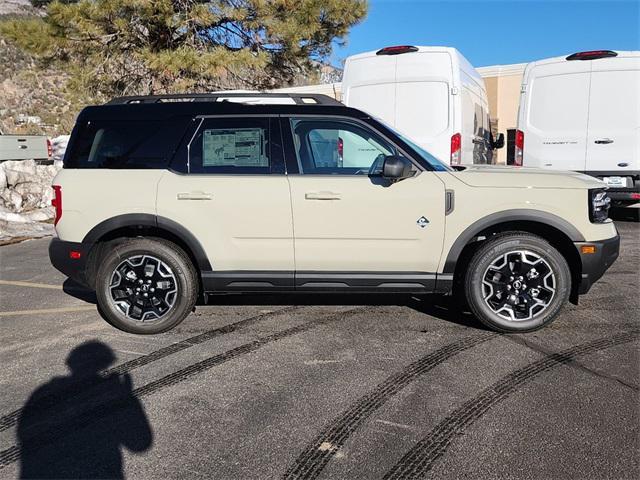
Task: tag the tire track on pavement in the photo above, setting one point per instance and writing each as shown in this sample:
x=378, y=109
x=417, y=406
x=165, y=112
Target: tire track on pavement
x=317, y=454
x=11, y=419
x=420, y=459
x=99, y=411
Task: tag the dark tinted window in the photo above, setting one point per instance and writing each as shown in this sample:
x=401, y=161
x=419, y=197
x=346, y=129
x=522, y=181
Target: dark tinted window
x=231, y=145
x=124, y=144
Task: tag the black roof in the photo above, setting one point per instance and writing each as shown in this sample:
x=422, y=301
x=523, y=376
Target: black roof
x=125, y=109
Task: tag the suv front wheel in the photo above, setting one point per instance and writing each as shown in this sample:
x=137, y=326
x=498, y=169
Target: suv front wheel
x=517, y=282
x=145, y=286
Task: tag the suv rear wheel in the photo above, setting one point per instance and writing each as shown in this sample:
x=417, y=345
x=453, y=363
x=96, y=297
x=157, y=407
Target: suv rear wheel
x=517, y=282
x=145, y=285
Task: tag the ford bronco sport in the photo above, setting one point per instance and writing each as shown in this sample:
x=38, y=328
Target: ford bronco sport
x=165, y=200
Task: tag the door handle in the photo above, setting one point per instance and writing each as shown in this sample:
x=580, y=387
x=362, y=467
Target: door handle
x=194, y=196
x=322, y=196
x=603, y=141
x=477, y=141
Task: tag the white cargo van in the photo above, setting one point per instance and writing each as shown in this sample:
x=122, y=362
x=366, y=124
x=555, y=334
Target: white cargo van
x=433, y=95
x=582, y=113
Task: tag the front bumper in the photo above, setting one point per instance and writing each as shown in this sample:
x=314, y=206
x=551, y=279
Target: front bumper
x=595, y=264
x=60, y=255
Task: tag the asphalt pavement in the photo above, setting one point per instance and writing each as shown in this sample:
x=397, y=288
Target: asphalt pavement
x=310, y=387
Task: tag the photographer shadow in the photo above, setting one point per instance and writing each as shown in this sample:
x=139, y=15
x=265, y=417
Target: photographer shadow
x=67, y=429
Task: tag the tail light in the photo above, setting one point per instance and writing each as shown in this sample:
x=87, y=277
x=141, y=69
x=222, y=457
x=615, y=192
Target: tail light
x=340, y=150
x=519, y=153
x=456, y=144
x=57, y=202
x=49, y=149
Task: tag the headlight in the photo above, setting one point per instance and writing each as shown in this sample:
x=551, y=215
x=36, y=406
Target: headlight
x=599, y=203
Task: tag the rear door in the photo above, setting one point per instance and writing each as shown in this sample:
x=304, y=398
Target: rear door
x=556, y=116
x=229, y=190
x=613, y=142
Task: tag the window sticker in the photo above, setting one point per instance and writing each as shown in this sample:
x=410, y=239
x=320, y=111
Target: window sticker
x=242, y=147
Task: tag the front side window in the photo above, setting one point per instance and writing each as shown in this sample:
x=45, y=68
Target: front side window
x=231, y=145
x=336, y=147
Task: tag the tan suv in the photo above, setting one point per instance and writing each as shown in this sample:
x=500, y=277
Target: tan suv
x=166, y=200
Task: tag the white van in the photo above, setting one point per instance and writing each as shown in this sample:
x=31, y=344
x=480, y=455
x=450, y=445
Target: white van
x=582, y=113
x=433, y=95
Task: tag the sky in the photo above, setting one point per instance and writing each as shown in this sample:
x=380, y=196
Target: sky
x=495, y=32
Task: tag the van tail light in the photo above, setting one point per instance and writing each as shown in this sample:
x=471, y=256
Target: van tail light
x=456, y=144
x=519, y=152
x=340, y=150
x=49, y=149
x=57, y=203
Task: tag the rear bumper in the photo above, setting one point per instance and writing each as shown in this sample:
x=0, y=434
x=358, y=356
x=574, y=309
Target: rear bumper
x=595, y=264
x=61, y=258
x=629, y=193
x=623, y=196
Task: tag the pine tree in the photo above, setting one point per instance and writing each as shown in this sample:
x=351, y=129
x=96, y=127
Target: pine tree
x=120, y=47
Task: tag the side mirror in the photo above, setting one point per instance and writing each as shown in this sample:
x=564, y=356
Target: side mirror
x=498, y=142
x=396, y=168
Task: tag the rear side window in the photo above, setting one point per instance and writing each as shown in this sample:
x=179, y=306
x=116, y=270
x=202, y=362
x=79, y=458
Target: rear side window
x=124, y=144
x=231, y=145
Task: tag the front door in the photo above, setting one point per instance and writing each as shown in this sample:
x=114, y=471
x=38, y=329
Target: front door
x=352, y=227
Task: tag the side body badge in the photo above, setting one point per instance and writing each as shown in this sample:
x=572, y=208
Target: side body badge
x=422, y=222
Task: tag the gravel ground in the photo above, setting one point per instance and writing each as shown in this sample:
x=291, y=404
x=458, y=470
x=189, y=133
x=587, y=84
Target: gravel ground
x=316, y=387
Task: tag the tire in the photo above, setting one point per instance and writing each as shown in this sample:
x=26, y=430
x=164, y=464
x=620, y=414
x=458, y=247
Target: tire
x=157, y=296
x=496, y=280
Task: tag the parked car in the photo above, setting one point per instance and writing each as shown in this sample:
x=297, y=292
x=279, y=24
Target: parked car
x=161, y=202
x=582, y=113
x=433, y=95
x=24, y=147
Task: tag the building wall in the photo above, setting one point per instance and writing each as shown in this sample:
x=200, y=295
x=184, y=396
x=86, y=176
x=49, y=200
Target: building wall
x=503, y=91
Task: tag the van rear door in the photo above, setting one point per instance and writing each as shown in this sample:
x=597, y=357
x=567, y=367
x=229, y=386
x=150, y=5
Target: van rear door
x=557, y=102
x=613, y=142
x=369, y=85
x=423, y=107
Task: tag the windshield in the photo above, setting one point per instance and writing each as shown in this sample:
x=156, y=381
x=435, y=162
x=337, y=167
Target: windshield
x=436, y=164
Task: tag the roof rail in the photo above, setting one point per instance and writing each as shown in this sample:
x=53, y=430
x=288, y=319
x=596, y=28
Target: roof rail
x=298, y=98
